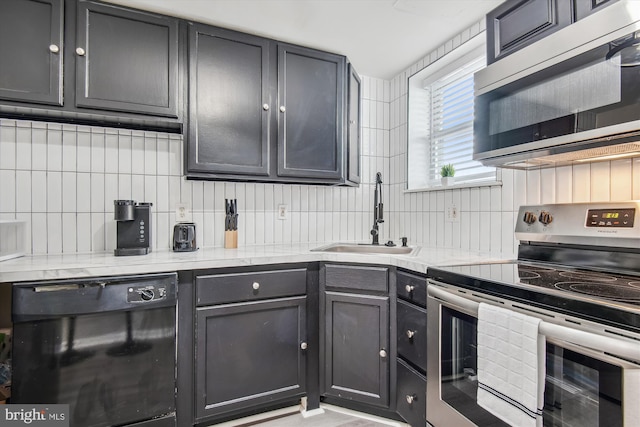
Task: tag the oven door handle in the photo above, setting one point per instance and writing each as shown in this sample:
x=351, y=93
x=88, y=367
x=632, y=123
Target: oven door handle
x=621, y=347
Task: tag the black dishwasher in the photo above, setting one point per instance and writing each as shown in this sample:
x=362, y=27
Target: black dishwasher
x=104, y=346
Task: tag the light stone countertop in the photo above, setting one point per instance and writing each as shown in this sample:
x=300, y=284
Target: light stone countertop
x=73, y=266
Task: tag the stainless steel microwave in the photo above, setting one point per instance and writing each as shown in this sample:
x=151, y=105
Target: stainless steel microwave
x=573, y=96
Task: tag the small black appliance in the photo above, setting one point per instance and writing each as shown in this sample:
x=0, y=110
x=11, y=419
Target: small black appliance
x=133, y=227
x=184, y=237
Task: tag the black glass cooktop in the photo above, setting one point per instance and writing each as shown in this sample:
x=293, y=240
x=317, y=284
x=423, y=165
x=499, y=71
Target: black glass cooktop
x=592, y=294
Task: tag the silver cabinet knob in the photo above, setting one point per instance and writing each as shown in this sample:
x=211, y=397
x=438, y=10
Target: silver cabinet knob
x=80, y=51
x=383, y=353
x=256, y=285
x=303, y=345
x=352, y=122
x=410, y=398
x=282, y=109
x=410, y=333
x=265, y=107
x=54, y=48
x=409, y=288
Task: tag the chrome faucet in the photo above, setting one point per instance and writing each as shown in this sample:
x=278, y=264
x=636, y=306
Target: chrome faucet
x=377, y=209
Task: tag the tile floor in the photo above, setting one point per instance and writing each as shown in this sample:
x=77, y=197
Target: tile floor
x=332, y=417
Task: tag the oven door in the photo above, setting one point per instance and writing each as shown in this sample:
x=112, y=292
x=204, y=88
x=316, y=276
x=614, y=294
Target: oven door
x=583, y=388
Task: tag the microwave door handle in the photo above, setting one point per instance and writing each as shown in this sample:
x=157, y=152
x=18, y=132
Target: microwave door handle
x=621, y=347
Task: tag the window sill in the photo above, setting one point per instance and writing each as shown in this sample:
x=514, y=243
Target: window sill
x=456, y=186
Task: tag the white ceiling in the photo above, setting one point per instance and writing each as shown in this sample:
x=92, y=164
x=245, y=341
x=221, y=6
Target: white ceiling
x=380, y=37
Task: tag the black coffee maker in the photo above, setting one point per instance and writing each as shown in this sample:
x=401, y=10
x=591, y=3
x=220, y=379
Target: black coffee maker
x=133, y=227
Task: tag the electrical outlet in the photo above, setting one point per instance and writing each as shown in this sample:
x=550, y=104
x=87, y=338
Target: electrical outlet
x=283, y=212
x=453, y=215
x=183, y=214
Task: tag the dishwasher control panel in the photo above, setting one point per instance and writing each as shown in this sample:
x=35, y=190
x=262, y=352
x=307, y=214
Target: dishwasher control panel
x=146, y=293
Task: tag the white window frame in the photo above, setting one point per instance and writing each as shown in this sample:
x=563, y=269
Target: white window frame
x=421, y=172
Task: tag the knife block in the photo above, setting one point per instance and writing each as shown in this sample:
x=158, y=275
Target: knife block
x=231, y=239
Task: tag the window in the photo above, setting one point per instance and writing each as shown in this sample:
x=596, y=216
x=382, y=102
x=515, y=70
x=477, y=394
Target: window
x=441, y=119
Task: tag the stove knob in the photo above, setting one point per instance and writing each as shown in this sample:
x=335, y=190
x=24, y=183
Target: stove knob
x=529, y=217
x=545, y=218
x=147, y=294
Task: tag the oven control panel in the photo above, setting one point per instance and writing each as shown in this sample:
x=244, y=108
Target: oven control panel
x=615, y=224
x=611, y=217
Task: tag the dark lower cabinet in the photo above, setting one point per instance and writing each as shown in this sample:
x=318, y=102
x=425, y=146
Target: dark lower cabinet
x=249, y=354
x=411, y=395
x=355, y=333
x=31, y=51
x=250, y=340
x=412, y=348
x=357, y=348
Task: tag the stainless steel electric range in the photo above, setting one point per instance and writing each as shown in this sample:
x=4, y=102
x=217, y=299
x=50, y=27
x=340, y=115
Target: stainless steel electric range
x=578, y=270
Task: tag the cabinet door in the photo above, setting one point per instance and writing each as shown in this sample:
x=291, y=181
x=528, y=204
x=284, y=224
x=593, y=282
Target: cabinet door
x=31, y=45
x=311, y=86
x=126, y=60
x=229, y=106
x=518, y=23
x=249, y=353
x=353, y=131
x=584, y=8
x=356, y=348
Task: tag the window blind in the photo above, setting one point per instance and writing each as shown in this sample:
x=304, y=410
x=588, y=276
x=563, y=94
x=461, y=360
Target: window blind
x=450, y=125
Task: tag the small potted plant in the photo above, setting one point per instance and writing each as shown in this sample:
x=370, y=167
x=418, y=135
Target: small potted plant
x=447, y=172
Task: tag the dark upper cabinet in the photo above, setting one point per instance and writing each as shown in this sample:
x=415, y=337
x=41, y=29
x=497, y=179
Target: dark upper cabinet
x=229, y=102
x=518, y=23
x=121, y=65
x=31, y=51
x=126, y=60
x=584, y=8
x=311, y=112
x=261, y=110
x=354, y=136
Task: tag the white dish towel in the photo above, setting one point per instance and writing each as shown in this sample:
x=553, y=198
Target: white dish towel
x=511, y=366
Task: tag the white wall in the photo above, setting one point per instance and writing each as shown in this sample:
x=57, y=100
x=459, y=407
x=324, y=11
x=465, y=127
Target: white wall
x=62, y=180
x=488, y=214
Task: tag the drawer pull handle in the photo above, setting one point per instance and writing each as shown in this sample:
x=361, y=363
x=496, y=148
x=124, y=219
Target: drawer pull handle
x=410, y=333
x=265, y=107
x=383, y=353
x=256, y=286
x=303, y=345
x=80, y=51
x=410, y=398
x=54, y=48
x=409, y=288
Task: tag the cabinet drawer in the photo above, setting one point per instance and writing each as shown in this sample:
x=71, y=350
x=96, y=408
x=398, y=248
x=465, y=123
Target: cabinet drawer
x=412, y=334
x=412, y=288
x=356, y=277
x=224, y=288
x=411, y=395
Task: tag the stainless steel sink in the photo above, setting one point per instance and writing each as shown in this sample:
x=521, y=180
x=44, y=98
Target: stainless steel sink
x=361, y=248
